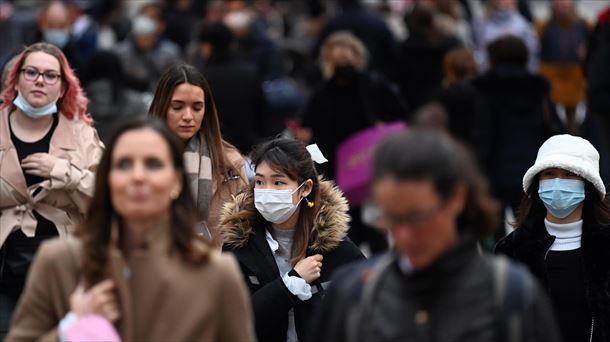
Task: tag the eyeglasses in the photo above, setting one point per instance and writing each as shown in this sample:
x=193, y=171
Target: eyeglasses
x=31, y=74
x=414, y=219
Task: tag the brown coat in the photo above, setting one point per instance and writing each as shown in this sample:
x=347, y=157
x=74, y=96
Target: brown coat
x=64, y=197
x=161, y=298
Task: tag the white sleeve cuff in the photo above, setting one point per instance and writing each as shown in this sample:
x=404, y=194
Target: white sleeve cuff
x=66, y=323
x=297, y=286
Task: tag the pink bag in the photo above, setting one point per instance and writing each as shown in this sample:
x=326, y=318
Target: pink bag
x=353, y=160
x=91, y=328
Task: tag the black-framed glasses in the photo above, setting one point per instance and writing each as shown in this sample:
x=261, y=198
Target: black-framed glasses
x=50, y=77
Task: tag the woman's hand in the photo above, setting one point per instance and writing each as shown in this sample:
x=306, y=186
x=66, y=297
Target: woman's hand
x=39, y=164
x=98, y=300
x=309, y=268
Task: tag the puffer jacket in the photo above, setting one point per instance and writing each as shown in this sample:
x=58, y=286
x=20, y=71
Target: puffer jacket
x=243, y=230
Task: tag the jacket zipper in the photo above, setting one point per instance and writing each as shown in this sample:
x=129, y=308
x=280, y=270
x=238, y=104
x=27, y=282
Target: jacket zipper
x=592, y=325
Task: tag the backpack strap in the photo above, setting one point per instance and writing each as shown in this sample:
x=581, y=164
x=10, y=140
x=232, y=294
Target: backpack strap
x=355, y=317
x=513, y=290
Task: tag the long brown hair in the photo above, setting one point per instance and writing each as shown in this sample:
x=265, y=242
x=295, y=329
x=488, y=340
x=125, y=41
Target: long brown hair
x=210, y=127
x=96, y=230
x=289, y=156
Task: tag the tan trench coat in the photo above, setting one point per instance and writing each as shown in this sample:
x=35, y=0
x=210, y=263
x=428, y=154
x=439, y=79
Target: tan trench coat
x=161, y=298
x=64, y=197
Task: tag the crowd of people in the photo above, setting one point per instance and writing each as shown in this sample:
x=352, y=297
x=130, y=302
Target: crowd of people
x=175, y=170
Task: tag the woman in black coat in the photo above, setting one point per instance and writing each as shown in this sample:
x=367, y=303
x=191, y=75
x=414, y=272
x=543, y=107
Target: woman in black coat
x=563, y=235
x=288, y=233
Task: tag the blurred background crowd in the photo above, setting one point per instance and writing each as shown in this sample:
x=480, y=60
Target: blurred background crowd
x=500, y=75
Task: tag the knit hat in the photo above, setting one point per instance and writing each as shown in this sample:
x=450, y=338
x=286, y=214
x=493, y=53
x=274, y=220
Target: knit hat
x=569, y=153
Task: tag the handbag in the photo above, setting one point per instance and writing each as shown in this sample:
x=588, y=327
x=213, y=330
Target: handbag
x=353, y=160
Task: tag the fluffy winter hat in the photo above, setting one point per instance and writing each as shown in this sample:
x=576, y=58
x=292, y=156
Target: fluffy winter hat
x=570, y=153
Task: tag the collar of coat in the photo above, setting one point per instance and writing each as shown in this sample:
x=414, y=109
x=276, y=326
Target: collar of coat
x=330, y=224
x=62, y=141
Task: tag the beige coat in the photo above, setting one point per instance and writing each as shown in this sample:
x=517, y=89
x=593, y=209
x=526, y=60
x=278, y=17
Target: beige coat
x=161, y=298
x=64, y=197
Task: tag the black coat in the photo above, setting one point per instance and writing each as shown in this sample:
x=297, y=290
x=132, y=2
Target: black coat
x=451, y=300
x=529, y=245
x=271, y=299
x=240, y=101
x=334, y=112
x=598, y=68
x=513, y=118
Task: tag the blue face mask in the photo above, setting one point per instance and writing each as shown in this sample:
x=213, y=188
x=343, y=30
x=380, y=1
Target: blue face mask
x=58, y=38
x=561, y=196
x=34, y=112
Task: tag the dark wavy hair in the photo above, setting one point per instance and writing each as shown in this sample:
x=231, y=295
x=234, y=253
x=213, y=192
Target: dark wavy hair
x=290, y=157
x=421, y=154
x=96, y=230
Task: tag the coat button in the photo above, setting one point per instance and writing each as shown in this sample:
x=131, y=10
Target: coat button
x=421, y=317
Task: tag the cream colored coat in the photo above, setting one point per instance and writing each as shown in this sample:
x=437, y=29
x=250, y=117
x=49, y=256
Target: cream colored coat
x=161, y=297
x=64, y=197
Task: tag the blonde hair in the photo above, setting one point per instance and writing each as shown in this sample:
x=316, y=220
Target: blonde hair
x=347, y=39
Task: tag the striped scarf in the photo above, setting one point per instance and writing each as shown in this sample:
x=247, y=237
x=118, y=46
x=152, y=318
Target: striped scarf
x=198, y=167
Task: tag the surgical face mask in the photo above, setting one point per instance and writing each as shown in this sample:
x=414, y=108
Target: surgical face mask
x=34, y=112
x=275, y=205
x=561, y=196
x=56, y=37
x=144, y=26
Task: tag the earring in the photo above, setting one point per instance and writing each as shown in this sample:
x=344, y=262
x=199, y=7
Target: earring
x=174, y=195
x=309, y=204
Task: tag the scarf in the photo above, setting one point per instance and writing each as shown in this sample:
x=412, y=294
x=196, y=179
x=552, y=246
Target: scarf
x=198, y=165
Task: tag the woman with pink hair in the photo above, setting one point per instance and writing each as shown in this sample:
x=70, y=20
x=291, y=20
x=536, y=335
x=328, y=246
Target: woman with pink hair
x=48, y=157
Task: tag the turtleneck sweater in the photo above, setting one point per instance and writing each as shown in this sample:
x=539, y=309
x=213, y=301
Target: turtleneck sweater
x=567, y=235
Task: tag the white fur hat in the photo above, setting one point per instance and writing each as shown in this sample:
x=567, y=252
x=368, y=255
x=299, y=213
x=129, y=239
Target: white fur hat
x=570, y=153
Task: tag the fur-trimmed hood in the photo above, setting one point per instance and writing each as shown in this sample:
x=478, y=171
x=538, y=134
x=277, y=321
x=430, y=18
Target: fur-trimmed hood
x=239, y=216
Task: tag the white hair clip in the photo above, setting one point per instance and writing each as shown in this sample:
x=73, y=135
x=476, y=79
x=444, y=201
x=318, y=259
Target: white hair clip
x=316, y=154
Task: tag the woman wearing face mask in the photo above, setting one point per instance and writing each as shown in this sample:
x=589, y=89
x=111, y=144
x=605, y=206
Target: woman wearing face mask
x=288, y=233
x=563, y=235
x=48, y=156
x=215, y=168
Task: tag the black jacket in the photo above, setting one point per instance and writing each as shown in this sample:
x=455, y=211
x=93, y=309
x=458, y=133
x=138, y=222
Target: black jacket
x=240, y=101
x=513, y=118
x=450, y=301
x=271, y=300
x=598, y=68
x=529, y=245
x=334, y=112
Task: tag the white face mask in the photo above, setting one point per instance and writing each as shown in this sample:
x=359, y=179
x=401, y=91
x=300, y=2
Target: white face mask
x=275, y=205
x=34, y=112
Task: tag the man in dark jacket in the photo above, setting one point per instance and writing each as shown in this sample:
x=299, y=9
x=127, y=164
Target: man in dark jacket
x=238, y=89
x=513, y=116
x=434, y=286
